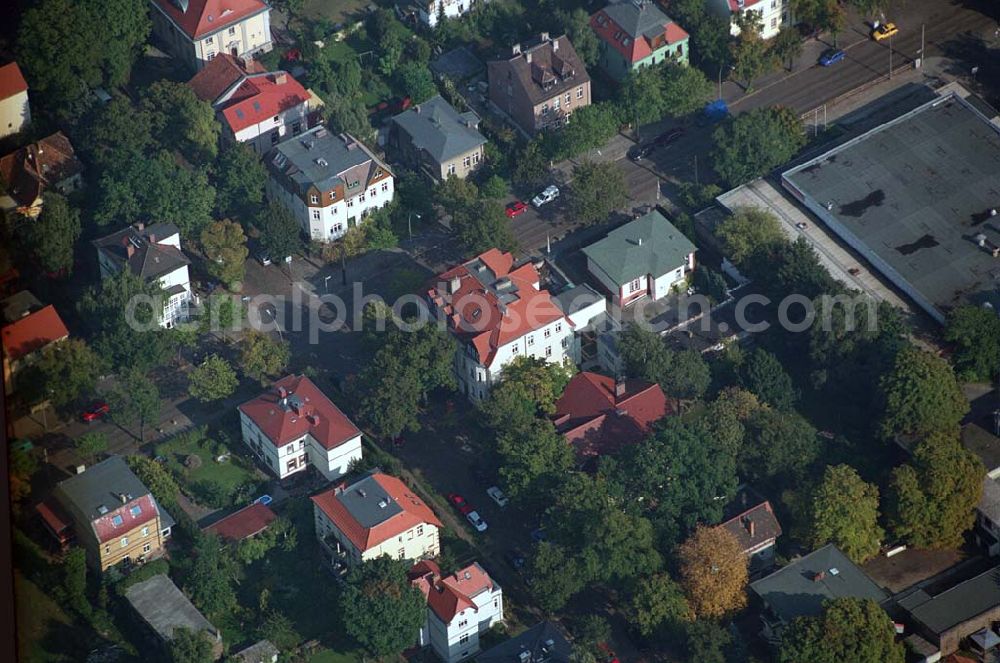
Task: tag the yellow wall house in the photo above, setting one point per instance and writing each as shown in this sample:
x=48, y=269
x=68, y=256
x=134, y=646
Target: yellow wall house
x=114, y=515
x=196, y=31
x=15, y=114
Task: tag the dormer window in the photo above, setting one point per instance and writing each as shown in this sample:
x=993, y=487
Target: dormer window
x=136, y=511
x=117, y=521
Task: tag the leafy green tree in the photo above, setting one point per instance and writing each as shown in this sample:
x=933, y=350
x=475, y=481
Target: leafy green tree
x=225, y=246
x=280, y=631
x=280, y=233
x=763, y=375
x=91, y=445
x=210, y=583
x=531, y=168
x=689, y=376
x=656, y=603
x=484, y=226
x=349, y=115
x=932, y=498
x=750, y=54
x=113, y=135
x=214, y=379
x=752, y=143
x=23, y=465
x=869, y=7
x=261, y=357
x=533, y=461
x=52, y=236
x=749, y=232
x=823, y=15
x=576, y=25
x=456, y=195
x=597, y=190
x=494, y=188
x=187, y=646
x=107, y=309
x=55, y=47
x=781, y=447
x=707, y=642
x=591, y=127
x=556, y=576
x=845, y=513
x=416, y=81
x=920, y=395
x=240, y=177
x=135, y=400
x=713, y=571
x=685, y=89
x=75, y=581
x=529, y=387
x=849, y=629
x=178, y=119
x=65, y=373
x=644, y=354
x=786, y=46
x=709, y=32
x=155, y=477
x=641, y=96
x=727, y=418
x=381, y=609
x=975, y=333
x=711, y=283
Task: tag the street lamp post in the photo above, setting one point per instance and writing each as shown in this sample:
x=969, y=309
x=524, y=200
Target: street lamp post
x=274, y=319
x=409, y=225
x=326, y=282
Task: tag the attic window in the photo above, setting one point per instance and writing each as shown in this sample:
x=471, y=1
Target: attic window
x=256, y=106
x=136, y=511
x=353, y=184
x=117, y=521
x=239, y=113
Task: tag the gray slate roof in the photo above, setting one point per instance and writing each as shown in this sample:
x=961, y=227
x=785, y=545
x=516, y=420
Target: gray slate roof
x=647, y=245
x=102, y=484
x=956, y=605
x=323, y=159
x=637, y=17
x=458, y=64
x=149, y=260
x=364, y=500
x=436, y=127
x=261, y=652
x=19, y=305
x=793, y=591
x=165, y=608
x=544, y=640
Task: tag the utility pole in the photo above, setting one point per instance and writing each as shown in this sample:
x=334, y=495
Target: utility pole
x=890, y=57
x=922, y=30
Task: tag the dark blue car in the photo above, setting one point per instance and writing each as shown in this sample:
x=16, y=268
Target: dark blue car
x=831, y=57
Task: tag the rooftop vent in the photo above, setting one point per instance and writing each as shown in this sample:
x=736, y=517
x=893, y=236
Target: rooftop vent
x=382, y=504
x=101, y=509
x=322, y=162
x=362, y=493
x=524, y=657
x=834, y=571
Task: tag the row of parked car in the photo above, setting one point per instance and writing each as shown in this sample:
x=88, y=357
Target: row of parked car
x=464, y=508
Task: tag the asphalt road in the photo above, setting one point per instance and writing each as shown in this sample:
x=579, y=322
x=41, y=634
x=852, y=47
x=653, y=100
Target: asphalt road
x=809, y=85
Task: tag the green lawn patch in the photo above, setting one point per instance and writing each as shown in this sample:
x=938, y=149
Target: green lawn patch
x=192, y=459
x=335, y=11
x=41, y=625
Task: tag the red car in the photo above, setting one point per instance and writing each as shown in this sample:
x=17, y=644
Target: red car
x=95, y=411
x=515, y=208
x=459, y=503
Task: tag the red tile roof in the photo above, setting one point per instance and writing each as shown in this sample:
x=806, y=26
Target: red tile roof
x=446, y=597
x=295, y=406
x=55, y=517
x=412, y=511
x=105, y=528
x=204, y=17
x=11, y=81
x=26, y=171
x=734, y=5
x=261, y=97
x=243, y=524
x=596, y=421
x=474, y=309
x=219, y=74
x=33, y=332
x=632, y=47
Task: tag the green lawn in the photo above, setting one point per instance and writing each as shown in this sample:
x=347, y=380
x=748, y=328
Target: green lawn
x=335, y=11
x=218, y=479
x=40, y=624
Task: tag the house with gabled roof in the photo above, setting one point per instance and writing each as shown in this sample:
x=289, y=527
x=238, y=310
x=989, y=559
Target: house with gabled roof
x=752, y=522
x=497, y=311
x=197, y=31
x=438, y=140
x=243, y=523
x=25, y=338
x=646, y=257
x=461, y=608
x=772, y=14
x=256, y=107
x=111, y=513
x=374, y=516
x=153, y=253
x=635, y=34
x=329, y=182
x=15, y=112
x=164, y=609
x=545, y=642
x=293, y=425
x=49, y=164
x=600, y=415
x=540, y=84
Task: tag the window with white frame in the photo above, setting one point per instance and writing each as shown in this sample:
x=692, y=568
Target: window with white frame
x=372, y=192
x=633, y=286
x=209, y=41
x=548, y=332
x=579, y=92
x=315, y=215
x=548, y=350
x=467, y=162
x=146, y=548
x=385, y=186
x=465, y=638
x=232, y=30
x=531, y=340
x=558, y=327
x=338, y=227
x=451, y=169
x=463, y=623
x=124, y=541
x=475, y=158
x=145, y=531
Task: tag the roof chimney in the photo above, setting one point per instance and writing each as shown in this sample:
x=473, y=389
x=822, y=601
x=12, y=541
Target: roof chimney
x=751, y=527
x=640, y=241
x=555, y=45
x=819, y=576
x=130, y=249
x=123, y=498
x=515, y=49
x=545, y=36
x=280, y=78
x=619, y=388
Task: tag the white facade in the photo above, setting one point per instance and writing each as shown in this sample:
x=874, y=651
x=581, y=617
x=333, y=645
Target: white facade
x=552, y=342
x=15, y=113
x=262, y=136
x=419, y=542
x=459, y=639
x=297, y=455
x=432, y=10
x=326, y=224
x=247, y=37
x=774, y=14
x=653, y=286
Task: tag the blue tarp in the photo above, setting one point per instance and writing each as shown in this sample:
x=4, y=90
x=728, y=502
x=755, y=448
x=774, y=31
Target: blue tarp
x=717, y=110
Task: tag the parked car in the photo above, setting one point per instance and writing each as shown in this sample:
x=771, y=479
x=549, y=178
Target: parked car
x=831, y=56
x=551, y=193
x=262, y=256
x=607, y=654
x=515, y=558
x=95, y=412
x=459, y=503
x=640, y=152
x=497, y=495
x=668, y=137
x=884, y=31
x=801, y=225
x=263, y=499
x=516, y=208
x=476, y=521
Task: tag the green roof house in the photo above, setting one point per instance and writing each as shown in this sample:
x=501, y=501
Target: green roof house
x=636, y=33
x=643, y=258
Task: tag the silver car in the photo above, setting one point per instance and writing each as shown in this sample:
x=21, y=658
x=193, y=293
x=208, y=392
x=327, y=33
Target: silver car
x=551, y=193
